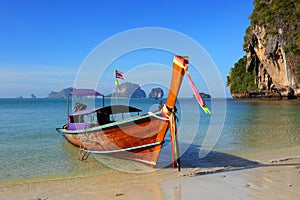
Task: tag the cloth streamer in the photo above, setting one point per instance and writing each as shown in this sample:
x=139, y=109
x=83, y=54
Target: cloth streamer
x=185, y=66
x=197, y=95
x=174, y=140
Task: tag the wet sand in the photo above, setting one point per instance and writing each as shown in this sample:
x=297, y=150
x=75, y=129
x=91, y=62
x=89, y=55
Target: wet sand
x=271, y=175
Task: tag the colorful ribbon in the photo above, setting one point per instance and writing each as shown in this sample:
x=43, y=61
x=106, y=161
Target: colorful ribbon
x=184, y=65
x=197, y=95
x=174, y=140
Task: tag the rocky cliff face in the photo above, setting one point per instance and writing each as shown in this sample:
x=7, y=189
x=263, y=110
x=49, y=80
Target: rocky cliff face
x=274, y=70
x=272, y=45
x=271, y=67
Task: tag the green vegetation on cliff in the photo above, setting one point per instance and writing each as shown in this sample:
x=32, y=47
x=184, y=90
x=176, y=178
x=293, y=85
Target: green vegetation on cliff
x=239, y=79
x=271, y=12
x=275, y=14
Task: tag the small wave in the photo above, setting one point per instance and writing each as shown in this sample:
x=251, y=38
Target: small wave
x=284, y=159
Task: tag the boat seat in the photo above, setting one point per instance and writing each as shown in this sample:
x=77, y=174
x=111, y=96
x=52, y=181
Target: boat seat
x=102, y=118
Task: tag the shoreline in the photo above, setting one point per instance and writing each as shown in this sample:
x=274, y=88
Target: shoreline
x=273, y=174
x=283, y=99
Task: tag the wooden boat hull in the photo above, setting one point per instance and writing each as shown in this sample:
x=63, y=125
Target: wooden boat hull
x=139, y=138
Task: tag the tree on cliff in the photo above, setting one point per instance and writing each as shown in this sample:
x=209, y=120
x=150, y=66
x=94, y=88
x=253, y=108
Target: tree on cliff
x=275, y=15
x=239, y=79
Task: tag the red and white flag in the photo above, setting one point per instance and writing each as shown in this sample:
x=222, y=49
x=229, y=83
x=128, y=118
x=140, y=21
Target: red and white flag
x=119, y=74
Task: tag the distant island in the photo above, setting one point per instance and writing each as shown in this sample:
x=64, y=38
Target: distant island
x=156, y=93
x=32, y=96
x=64, y=93
x=271, y=66
x=203, y=95
x=127, y=90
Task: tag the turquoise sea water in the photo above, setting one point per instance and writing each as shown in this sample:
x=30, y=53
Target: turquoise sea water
x=31, y=148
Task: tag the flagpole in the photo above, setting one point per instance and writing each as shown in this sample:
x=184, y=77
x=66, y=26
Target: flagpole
x=118, y=75
x=116, y=84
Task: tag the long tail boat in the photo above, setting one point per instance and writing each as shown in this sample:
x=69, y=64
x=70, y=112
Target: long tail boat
x=139, y=138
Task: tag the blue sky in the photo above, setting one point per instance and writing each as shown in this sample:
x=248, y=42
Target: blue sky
x=44, y=42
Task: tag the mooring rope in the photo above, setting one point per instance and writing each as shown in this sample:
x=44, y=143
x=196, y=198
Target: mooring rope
x=158, y=117
x=174, y=140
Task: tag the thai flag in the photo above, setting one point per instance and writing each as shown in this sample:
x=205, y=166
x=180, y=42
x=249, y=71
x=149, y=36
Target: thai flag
x=119, y=74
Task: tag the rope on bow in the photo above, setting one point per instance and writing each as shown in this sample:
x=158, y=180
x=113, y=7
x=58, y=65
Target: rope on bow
x=169, y=113
x=174, y=140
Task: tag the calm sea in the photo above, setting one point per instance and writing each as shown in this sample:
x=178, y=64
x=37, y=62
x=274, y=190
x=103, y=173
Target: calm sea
x=30, y=147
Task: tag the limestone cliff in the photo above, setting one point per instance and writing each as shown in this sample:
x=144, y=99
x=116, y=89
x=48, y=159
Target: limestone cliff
x=272, y=45
x=267, y=57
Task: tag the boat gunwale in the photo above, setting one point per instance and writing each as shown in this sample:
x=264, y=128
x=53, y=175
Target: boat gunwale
x=92, y=110
x=125, y=149
x=109, y=125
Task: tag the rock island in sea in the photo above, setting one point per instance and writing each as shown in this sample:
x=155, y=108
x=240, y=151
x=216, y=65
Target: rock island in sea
x=127, y=90
x=156, y=93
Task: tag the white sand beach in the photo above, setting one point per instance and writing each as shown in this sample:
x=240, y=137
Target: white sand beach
x=275, y=176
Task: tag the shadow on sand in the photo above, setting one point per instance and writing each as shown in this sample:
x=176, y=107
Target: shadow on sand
x=215, y=161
